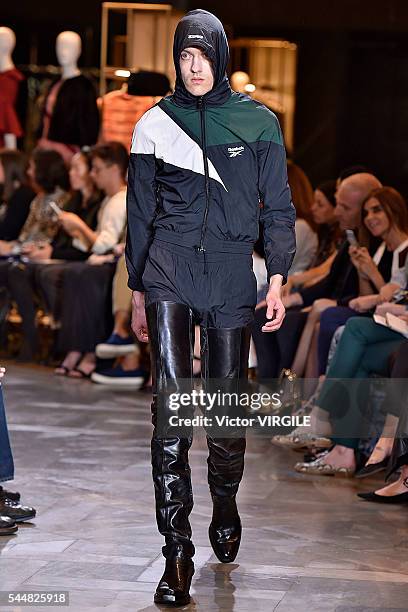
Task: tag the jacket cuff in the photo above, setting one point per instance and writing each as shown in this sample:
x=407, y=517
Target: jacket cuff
x=274, y=271
x=135, y=285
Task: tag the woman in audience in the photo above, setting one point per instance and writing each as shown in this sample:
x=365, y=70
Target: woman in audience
x=86, y=307
x=276, y=351
x=364, y=349
x=33, y=278
x=15, y=194
x=384, y=216
x=306, y=238
x=329, y=238
x=397, y=459
x=50, y=180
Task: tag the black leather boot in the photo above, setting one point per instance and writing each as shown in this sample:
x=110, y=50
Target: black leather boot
x=225, y=361
x=225, y=528
x=171, y=334
x=174, y=586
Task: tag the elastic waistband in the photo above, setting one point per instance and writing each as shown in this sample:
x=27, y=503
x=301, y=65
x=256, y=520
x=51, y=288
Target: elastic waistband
x=211, y=245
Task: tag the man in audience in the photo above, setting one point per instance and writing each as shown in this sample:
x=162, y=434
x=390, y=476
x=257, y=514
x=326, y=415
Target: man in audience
x=341, y=284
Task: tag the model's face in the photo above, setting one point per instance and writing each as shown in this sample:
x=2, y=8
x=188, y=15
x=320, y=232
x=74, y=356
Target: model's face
x=196, y=71
x=375, y=219
x=322, y=210
x=348, y=207
x=79, y=175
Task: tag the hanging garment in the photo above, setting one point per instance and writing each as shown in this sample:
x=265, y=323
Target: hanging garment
x=9, y=85
x=120, y=112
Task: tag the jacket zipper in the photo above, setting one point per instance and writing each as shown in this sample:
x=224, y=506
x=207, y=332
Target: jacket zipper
x=206, y=173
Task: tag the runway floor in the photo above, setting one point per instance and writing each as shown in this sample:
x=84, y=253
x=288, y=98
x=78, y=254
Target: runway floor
x=82, y=459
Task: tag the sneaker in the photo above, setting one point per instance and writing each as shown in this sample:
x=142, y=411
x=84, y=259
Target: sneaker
x=116, y=346
x=119, y=377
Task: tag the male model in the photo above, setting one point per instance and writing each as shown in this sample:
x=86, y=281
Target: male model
x=207, y=164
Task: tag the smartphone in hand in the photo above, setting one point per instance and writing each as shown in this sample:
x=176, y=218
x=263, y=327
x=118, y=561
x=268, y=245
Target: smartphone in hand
x=55, y=208
x=351, y=238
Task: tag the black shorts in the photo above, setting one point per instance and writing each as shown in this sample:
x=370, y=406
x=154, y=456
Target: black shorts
x=220, y=288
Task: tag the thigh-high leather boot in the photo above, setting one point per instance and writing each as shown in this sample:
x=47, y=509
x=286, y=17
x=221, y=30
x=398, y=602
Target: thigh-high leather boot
x=171, y=332
x=225, y=360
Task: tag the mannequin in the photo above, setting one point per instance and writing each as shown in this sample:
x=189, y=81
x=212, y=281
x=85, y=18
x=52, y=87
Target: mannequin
x=68, y=48
x=10, y=78
x=70, y=115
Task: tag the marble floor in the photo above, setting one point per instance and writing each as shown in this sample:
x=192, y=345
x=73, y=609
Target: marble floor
x=82, y=459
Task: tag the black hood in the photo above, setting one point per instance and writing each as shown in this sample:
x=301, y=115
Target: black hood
x=202, y=29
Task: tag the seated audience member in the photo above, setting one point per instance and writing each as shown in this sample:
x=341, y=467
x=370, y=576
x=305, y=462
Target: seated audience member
x=121, y=343
x=393, y=405
x=306, y=238
x=364, y=349
x=15, y=194
x=86, y=288
x=394, y=457
x=385, y=216
x=329, y=238
x=50, y=179
x=29, y=279
x=11, y=511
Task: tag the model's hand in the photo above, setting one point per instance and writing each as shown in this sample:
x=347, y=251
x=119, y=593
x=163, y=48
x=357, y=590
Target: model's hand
x=2, y=372
x=275, y=308
x=139, y=323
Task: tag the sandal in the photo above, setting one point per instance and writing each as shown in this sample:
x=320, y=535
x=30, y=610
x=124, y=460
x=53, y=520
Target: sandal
x=319, y=468
x=63, y=370
x=81, y=373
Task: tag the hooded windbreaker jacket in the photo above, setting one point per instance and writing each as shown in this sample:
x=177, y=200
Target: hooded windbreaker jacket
x=204, y=171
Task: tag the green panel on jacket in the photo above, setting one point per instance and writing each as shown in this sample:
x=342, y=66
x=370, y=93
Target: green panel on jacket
x=239, y=119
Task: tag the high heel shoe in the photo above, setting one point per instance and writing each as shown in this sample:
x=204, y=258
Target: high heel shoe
x=372, y=468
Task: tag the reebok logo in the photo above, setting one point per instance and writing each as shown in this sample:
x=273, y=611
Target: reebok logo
x=195, y=36
x=235, y=151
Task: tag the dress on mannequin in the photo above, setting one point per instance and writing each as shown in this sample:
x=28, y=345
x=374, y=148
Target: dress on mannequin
x=9, y=85
x=70, y=116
